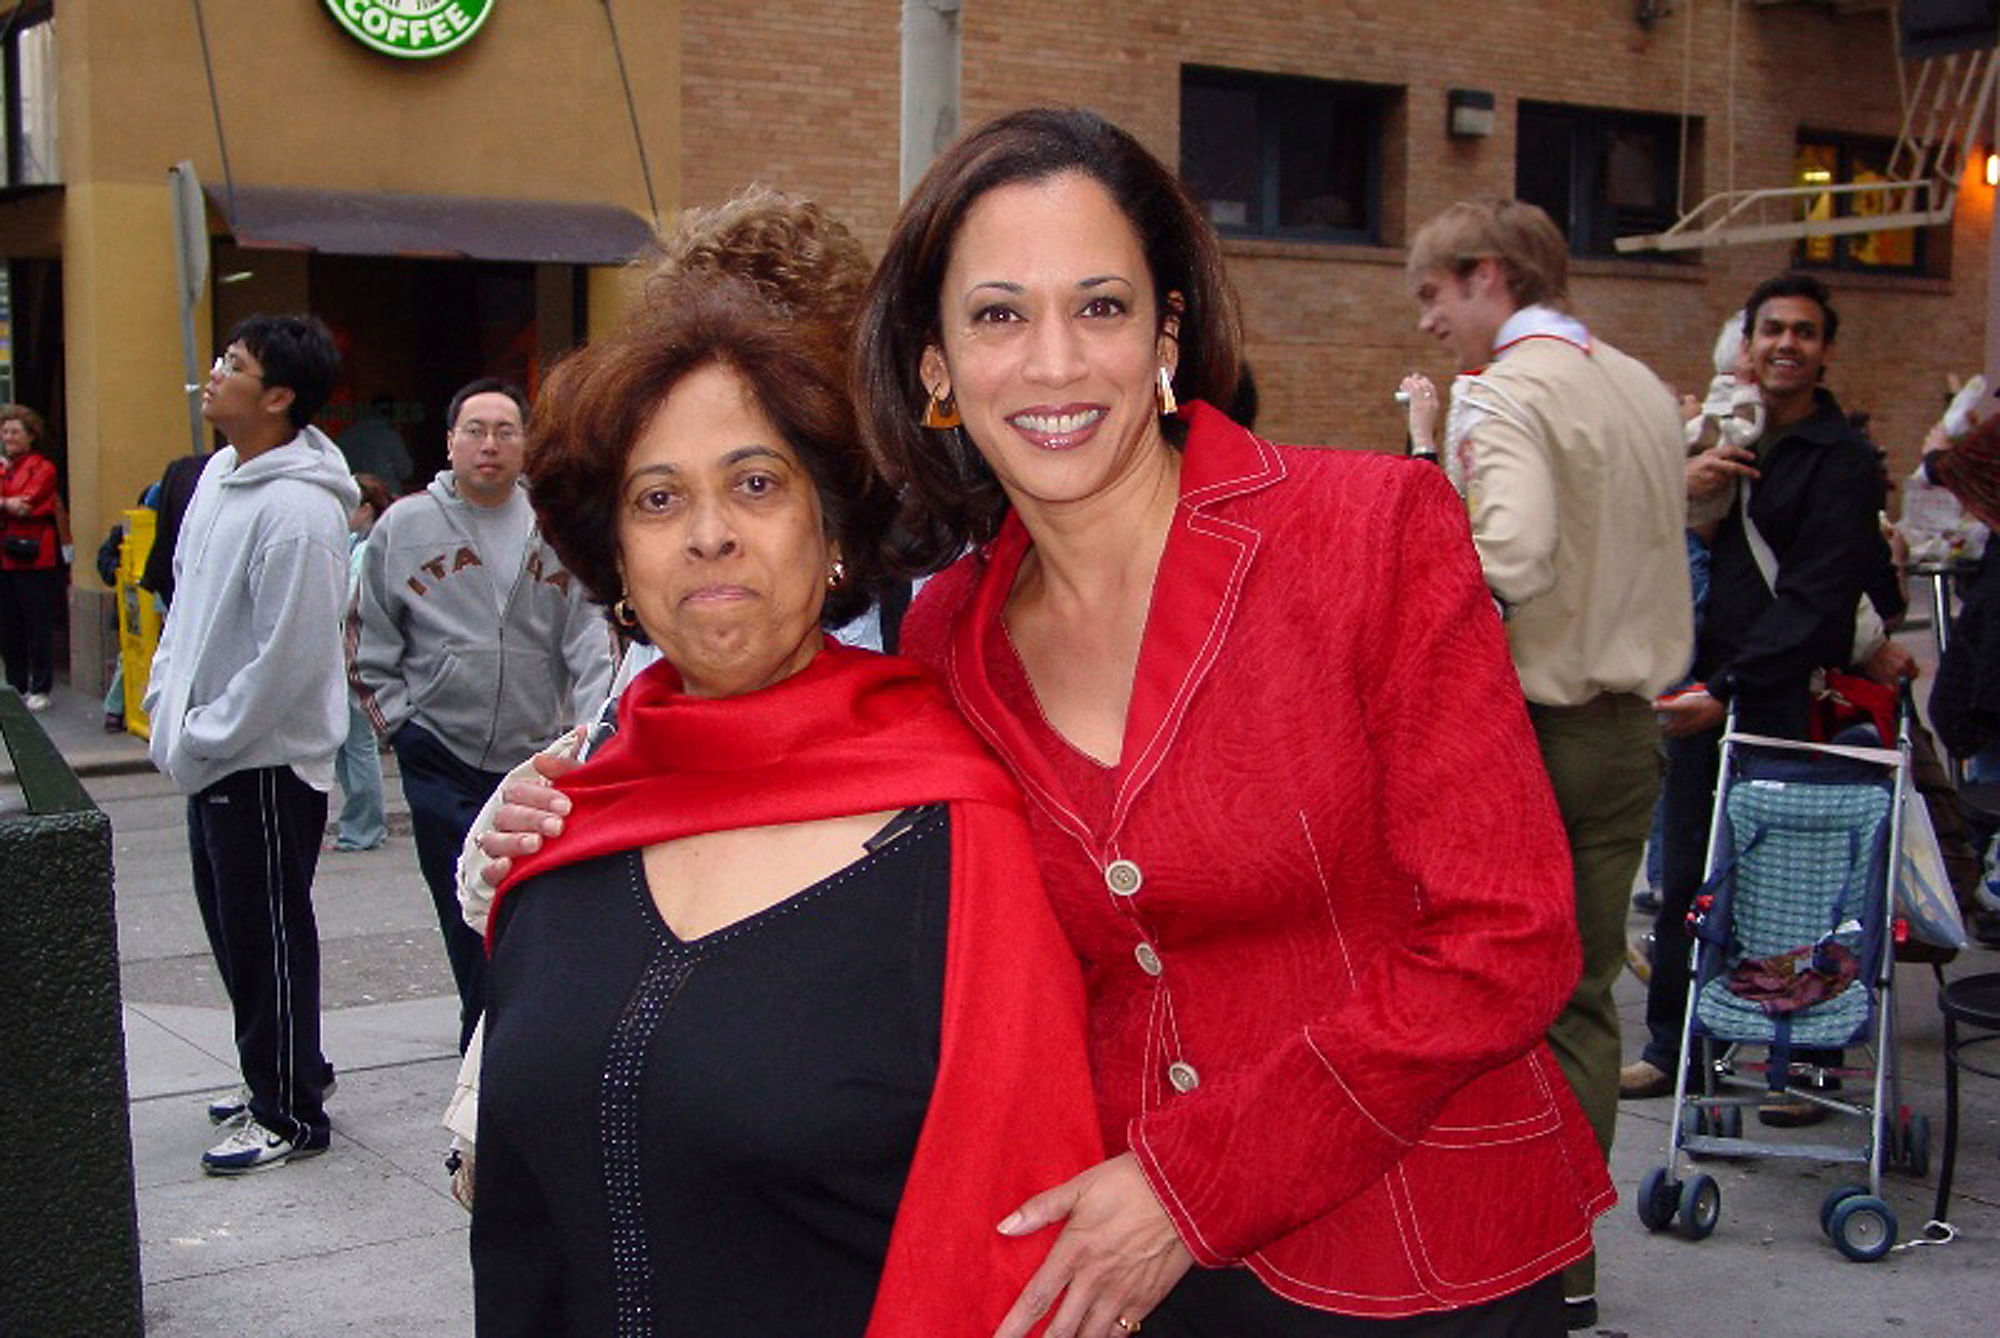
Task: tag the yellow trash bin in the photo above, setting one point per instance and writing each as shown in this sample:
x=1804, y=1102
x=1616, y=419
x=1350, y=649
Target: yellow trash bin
x=138, y=617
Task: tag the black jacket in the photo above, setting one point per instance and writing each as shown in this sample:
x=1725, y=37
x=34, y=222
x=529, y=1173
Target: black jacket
x=1816, y=502
x=176, y=491
x=1965, y=699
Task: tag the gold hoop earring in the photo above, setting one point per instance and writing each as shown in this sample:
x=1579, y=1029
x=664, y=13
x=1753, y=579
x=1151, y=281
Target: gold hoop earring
x=1168, y=404
x=835, y=574
x=622, y=613
x=941, y=412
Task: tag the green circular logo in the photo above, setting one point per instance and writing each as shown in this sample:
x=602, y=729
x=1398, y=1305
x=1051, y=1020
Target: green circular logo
x=412, y=29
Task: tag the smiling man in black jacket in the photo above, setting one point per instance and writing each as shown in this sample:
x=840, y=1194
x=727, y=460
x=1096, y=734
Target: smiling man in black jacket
x=1812, y=489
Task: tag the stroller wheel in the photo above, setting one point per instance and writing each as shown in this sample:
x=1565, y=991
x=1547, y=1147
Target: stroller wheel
x=1863, y=1228
x=1701, y=1124
x=1658, y=1197
x=1729, y=1122
x=1700, y=1207
x=1836, y=1196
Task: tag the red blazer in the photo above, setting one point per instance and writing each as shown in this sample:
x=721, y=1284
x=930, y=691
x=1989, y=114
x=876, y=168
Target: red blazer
x=32, y=476
x=1350, y=874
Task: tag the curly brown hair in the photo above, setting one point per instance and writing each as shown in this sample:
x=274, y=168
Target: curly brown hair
x=766, y=286
x=801, y=260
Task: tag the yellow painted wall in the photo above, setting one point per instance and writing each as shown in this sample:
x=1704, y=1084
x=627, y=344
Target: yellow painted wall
x=127, y=410
x=531, y=107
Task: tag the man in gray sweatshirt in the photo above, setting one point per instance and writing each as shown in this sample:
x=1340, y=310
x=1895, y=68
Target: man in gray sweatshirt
x=248, y=707
x=470, y=646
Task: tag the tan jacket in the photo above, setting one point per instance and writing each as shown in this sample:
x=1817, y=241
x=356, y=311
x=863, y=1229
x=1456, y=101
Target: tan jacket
x=1571, y=462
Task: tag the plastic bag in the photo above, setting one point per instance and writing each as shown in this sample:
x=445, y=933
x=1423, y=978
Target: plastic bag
x=1924, y=896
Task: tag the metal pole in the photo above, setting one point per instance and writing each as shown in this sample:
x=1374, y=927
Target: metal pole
x=191, y=268
x=929, y=83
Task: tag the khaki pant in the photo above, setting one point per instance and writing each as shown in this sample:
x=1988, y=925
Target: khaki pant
x=1603, y=760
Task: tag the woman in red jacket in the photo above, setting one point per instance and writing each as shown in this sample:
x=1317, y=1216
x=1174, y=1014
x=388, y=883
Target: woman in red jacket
x=1283, y=788
x=30, y=556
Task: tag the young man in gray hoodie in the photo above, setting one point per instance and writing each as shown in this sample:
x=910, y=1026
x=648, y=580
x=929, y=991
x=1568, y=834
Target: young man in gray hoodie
x=249, y=705
x=470, y=647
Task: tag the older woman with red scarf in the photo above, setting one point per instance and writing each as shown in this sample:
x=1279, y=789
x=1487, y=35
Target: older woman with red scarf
x=784, y=1024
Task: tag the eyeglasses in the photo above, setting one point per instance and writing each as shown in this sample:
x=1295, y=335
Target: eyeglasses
x=505, y=434
x=231, y=365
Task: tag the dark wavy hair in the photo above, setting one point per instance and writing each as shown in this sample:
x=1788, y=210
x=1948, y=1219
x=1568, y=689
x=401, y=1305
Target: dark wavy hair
x=1792, y=283
x=297, y=353
x=949, y=498
x=790, y=356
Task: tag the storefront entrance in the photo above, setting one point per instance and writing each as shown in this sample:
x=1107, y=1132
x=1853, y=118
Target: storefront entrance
x=411, y=332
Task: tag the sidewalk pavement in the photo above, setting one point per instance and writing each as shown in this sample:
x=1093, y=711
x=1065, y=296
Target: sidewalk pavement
x=363, y=1240
x=366, y=1239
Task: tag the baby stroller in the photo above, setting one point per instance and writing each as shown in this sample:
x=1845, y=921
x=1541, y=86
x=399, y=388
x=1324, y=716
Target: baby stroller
x=1794, y=948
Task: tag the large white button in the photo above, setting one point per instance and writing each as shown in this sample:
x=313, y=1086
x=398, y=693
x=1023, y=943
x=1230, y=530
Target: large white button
x=1149, y=961
x=1182, y=1075
x=1123, y=877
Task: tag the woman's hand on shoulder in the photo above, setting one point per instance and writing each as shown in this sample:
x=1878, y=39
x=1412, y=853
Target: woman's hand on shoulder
x=531, y=810
x=1117, y=1257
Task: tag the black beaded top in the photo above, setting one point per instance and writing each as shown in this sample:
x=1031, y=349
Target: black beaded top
x=705, y=1137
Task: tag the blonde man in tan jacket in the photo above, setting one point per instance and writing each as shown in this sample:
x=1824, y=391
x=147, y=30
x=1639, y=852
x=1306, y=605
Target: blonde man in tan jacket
x=1569, y=455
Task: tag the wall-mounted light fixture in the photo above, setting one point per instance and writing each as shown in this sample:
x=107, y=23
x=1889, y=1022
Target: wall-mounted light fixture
x=1471, y=113
x=1992, y=166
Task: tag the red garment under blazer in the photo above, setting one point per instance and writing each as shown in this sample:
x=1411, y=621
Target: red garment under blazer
x=854, y=732
x=1351, y=870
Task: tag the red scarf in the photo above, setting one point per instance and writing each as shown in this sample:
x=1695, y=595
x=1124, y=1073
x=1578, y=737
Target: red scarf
x=1011, y=1113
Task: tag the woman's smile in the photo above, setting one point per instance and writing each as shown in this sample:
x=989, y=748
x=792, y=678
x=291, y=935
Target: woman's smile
x=1058, y=429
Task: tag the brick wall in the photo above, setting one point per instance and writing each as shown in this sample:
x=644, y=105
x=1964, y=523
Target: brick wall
x=807, y=99
x=803, y=98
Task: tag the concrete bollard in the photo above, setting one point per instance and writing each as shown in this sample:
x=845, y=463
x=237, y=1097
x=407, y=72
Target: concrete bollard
x=69, y=1226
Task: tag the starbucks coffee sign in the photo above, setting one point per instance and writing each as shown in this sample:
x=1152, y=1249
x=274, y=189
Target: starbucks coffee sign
x=413, y=29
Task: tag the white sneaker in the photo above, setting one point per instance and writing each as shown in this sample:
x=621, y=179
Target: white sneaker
x=252, y=1147
x=229, y=1107
x=233, y=1106
x=36, y=701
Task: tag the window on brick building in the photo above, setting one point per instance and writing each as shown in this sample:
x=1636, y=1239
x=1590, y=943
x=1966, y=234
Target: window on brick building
x=1825, y=160
x=1600, y=174
x=1298, y=159
x=28, y=78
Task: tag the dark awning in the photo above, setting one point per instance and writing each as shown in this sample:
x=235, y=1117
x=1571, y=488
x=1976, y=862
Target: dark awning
x=369, y=223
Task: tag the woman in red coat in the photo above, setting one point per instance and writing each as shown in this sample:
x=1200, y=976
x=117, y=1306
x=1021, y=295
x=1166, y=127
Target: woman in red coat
x=1283, y=788
x=30, y=556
